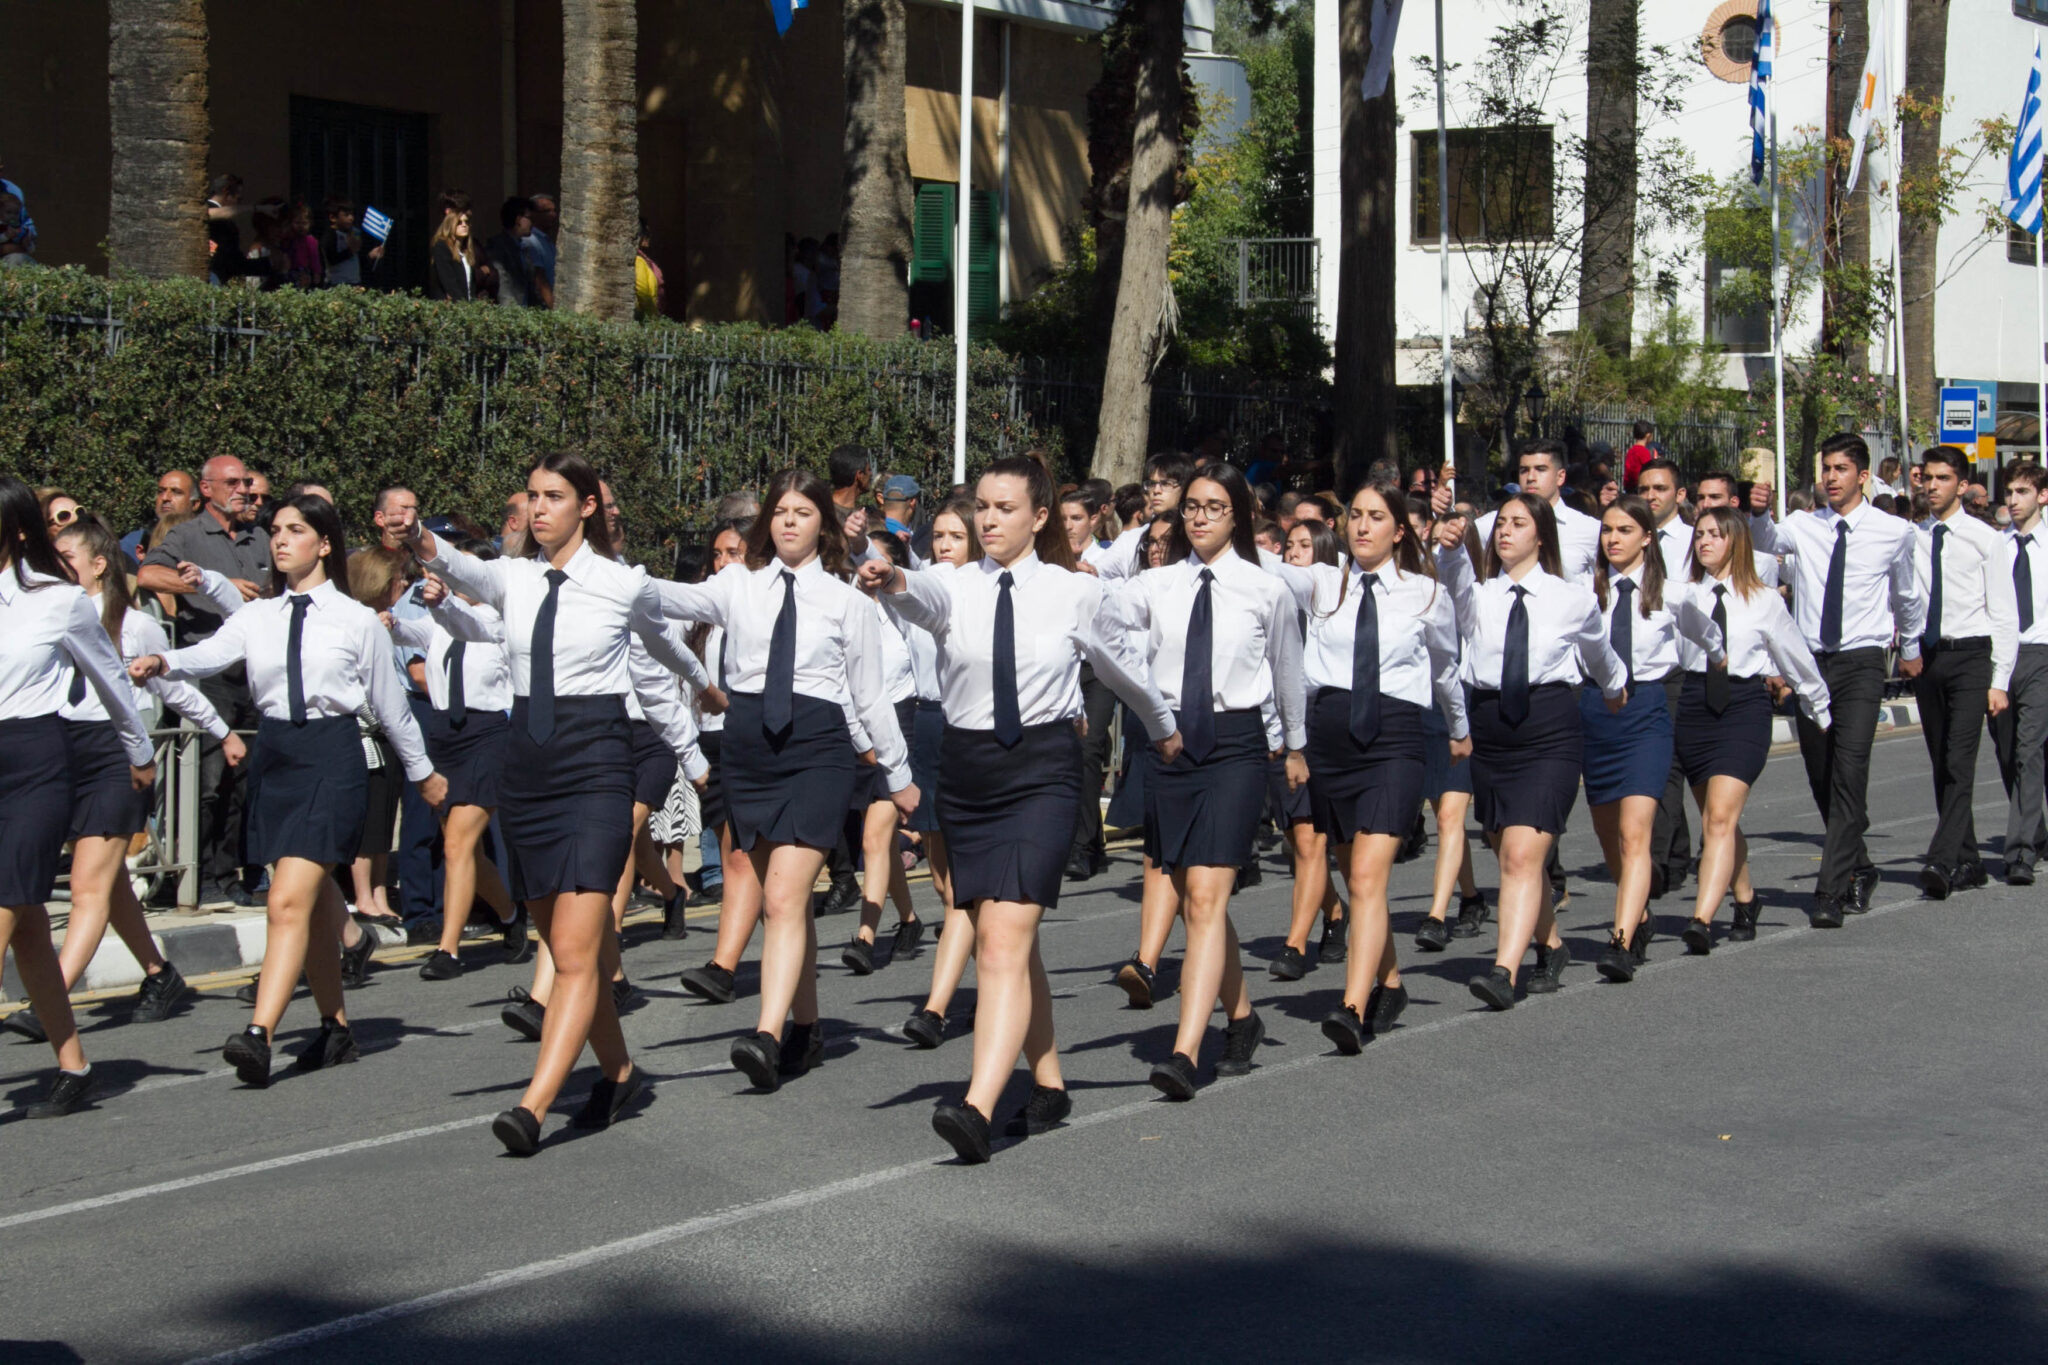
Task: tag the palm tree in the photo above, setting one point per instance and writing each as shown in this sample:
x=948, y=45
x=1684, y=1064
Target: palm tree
x=1845, y=236
x=1364, y=354
x=600, y=158
x=874, y=248
x=1607, y=246
x=159, y=132
x=1919, y=173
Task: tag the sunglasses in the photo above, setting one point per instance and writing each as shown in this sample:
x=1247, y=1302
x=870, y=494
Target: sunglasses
x=63, y=518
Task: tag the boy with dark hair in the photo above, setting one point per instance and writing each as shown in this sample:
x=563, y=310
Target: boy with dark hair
x=2021, y=732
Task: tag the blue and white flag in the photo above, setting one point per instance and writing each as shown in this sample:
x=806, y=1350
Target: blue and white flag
x=785, y=12
x=2023, y=172
x=375, y=224
x=1759, y=77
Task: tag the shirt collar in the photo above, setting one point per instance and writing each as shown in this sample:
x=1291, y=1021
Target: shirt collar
x=1223, y=563
x=1021, y=572
x=1855, y=519
x=812, y=569
x=322, y=596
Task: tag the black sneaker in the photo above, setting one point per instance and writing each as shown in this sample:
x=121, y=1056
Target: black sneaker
x=1241, y=1039
x=1416, y=843
x=1639, y=941
x=1175, y=1077
x=1137, y=980
x=709, y=982
x=1046, y=1110
x=1432, y=935
x=71, y=1091
x=1336, y=941
x=909, y=935
x=516, y=936
x=859, y=957
x=519, y=1130
x=1549, y=974
x=26, y=1023
x=1615, y=962
x=608, y=1099
x=925, y=1029
x=1250, y=875
x=803, y=1047
x=1290, y=965
x=524, y=1018
x=355, y=962
x=962, y=1126
x=625, y=995
x=758, y=1056
x=1384, y=1006
x=475, y=929
x=246, y=992
x=160, y=995
x=840, y=897
x=1496, y=988
x=441, y=966
x=1346, y=1028
x=1472, y=916
x=248, y=1052
x=1743, y=930
x=674, y=916
x=333, y=1045
x=1699, y=937
x=422, y=930
x=1861, y=890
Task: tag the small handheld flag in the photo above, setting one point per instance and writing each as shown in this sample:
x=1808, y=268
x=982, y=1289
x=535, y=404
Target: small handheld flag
x=1759, y=77
x=785, y=13
x=2023, y=171
x=1865, y=107
x=375, y=224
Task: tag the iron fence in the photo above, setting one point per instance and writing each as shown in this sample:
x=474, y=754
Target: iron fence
x=1279, y=270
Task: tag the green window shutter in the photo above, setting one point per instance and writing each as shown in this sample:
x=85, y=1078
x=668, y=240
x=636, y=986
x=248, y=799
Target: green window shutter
x=984, y=298
x=931, y=254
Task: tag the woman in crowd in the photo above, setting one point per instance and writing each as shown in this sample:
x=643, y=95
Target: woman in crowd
x=1447, y=786
x=1308, y=544
x=882, y=871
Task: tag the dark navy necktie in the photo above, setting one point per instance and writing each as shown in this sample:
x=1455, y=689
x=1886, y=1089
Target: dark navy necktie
x=1831, y=599
x=294, y=665
x=1514, y=662
x=78, y=681
x=1718, y=686
x=779, y=693
x=458, y=700
x=1934, y=586
x=1621, y=628
x=722, y=638
x=1365, y=665
x=2023, y=581
x=540, y=694
x=1197, y=694
x=1009, y=720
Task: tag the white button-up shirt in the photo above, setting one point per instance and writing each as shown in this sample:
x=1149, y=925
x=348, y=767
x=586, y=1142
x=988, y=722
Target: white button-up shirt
x=1763, y=642
x=714, y=642
x=899, y=671
x=2036, y=551
x=486, y=671
x=1056, y=618
x=51, y=629
x=1578, y=539
x=1418, y=631
x=1977, y=597
x=1567, y=631
x=140, y=635
x=1655, y=639
x=1880, y=585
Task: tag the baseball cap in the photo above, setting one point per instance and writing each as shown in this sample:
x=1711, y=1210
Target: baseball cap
x=900, y=486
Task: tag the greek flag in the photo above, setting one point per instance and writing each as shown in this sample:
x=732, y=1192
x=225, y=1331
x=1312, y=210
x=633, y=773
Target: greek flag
x=375, y=224
x=2023, y=173
x=785, y=12
x=1759, y=76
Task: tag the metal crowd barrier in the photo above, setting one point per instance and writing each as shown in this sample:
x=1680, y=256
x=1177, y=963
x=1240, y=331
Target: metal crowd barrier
x=173, y=848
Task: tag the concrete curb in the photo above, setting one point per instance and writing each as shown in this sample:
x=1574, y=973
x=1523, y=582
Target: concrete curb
x=223, y=943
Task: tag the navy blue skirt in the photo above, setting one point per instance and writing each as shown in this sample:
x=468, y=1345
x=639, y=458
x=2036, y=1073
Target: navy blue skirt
x=871, y=780
x=711, y=801
x=104, y=804
x=1207, y=814
x=35, y=806
x=309, y=791
x=654, y=766
x=794, y=788
x=1285, y=806
x=926, y=733
x=566, y=807
x=1364, y=789
x=1732, y=744
x=1127, y=802
x=1439, y=774
x=471, y=757
x=1628, y=753
x=1527, y=774
x=1008, y=814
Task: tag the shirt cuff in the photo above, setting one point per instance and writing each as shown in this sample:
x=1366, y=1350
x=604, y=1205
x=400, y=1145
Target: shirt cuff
x=898, y=777
x=1297, y=738
x=147, y=752
x=1909, y=647
x=217, y=727
x=694, y=766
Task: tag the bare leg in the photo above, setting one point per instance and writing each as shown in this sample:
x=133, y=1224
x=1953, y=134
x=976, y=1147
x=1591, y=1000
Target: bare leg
x=1212, y=969
x=1372, y=862
x=1453, y=856
x=27, y=928
x=132, y=926
x=574, y=928
x=739, y=904
x=1525, y=911
x=624, y=894
x=878, y=861
x=1311, y=881
x=323, y=944
x=789, y=946
x=956, y=943
x=294, y=886
x=1155, y=915
x=1624, y=830
x=1006, y=935
x=1721, y=851
x=462, y=829
x=96, y=864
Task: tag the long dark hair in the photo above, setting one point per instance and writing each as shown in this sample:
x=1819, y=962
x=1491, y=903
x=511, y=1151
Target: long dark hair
x=1407, y=553
x=102, y=543
x=24, y=538
x=583, y=481
x=1322, y=542
x=1176, y=539
x=1548, y=558
x=1638, y=511
x=1741, y=550
x=1244, y=533
x=326, y=523
x=963, y=508
x=831, y=534
x=1051, y=541
x=700, y=634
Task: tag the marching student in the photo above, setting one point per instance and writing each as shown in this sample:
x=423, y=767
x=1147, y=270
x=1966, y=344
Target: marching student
x=1221, y=641
x=1966, y=653
x=315, y=658
x=1166, y=477
x=565, y=799
x=804, y=658
x=1724, y=715
x=1382, y=651
x=1082, y=513
x=52, y=635
x=1526, y=632
x=2022, y=730
x=1447, y=785
x=1671, y=835
x=1854, y=584
x=882, y=871
x=1308, y=543
x=1012, y=630
x=1540, y=469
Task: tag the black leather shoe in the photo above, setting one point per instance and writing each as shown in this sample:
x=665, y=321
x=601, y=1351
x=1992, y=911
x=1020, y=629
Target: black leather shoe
x=1970, y=876
x=1080, y=867
x=2019, y=874
x=1699, y=937
x=675, y=923
x=333, y=1045
x=803, y=1047
x=758, y=1056
x=1496, y=988
x=70, y=1092
x=963, y=1126
x=1743, y=930
x=1336, y=941
x=1415, y=844
x=1046, y=1110
x=25, y=1023
x=1826, y=912
x=1251, y=874
x=1137, y=981
x=1639, y=941
x=608, y=1099
x=1472, y=916
x=1241, y=1039
x=246, y=992
x=1432, y=935
x=1383, y=1007
x=1934, y=882
x=248, y=1052
x=440, y=966
x=160, y=995
x=1615, y=962
x=1175, y=1077
x=625, y=995
x=843, y=895
x=909, y=934
x=1290, y=965
x=859, y=957
x=355, y=962
x=1344, y=1027
x=519, y=1130
x=1861, y=890
x=709, y=982
x=925, y=1029
x=524, y=1018
x=1549, y=974
x=516, y=936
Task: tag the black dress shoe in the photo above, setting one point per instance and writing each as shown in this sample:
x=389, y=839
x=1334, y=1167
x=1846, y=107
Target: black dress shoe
x=1251, y=874
x=1080, y=867
x=1384, y=1006
x=1699, y=937
x=1241, y=1039
x=519, y=1130
x=1826, y=912
x=1472, y=917
x=1861, y=890
x=1743, y=930
x=1549, y=974
x=333, y=1045
x=524, y=1018
x=1934, y=883
x=160, y=995
x=842, y=896
x=2019, y=874
x=440, y=966
x=1344, y=1027
x=1137, y=981
x=71, y=1091
x=859, y=957
x=1971, y=875
x=758, y=1056
x=674, y=921
x=1336, y=941
x=625, y=995
x=1615, y=962
x=248, y=1052
x=803, y=1047
x=909, y=934
x=1639, y=941
x=709, y=982
x=516, y=936
x=608, y=1099
x=355, y=962
x=25, y=1023
x=1175, y=1077
x=1432, y=935
x=925, y=1029
x=963, y=1126
x=1290, y=965
x=246, y=992
x=1046, y=1110
x=1495, y=987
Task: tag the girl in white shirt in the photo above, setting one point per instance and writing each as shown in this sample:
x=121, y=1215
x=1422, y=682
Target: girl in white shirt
x=1306, y=544
x=882, y=873
x=315, y=657
x=52, y=635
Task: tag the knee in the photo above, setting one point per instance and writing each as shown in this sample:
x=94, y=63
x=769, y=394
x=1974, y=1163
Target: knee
x=1002, y=952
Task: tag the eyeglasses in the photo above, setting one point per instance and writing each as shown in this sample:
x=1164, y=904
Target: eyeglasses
x=1205, y=511
x=1160, y=485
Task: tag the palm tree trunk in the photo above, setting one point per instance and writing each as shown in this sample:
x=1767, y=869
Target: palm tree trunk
x=874, y=249
x=1845, y=233
x=1607, y=246
x=159, y=133
x=1144, y=298
x=1920, y=158
x=1364, y=369
x=600, y=158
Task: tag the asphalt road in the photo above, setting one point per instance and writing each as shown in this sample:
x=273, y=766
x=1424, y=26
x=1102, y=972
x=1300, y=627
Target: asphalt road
x=1822, y=1146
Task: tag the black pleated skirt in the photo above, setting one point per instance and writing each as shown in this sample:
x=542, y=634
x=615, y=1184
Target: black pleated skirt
x=1628, y=752
x=472, y=758
x=35, y=806
x=711, y=801
x=1364, y=789
x=791, y=789
x=1127, y=801
x=1732, y=744
x=871, y=780
x=654, y=766
x=1439, y=774
x=1526, y=774
x=104, y=804
x=384, y=790
x=1207, y=814
x=1008, y=814
x=566, y=806
x=926, y=733
x=309, y=791
x=1286, y=805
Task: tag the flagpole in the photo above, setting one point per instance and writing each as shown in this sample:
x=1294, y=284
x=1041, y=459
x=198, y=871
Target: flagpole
x=2041, y=345
x=962, y=259
x=1777, y=320
x=1896, y=60
x=1443, y=250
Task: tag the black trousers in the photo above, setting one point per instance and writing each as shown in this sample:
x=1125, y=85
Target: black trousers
x=1098, y=704
x=1838, y=762
x=1670, y=835
x=419, y=838
x=1952, y=689
x=2019, y=735
x=222, y=789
